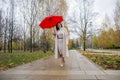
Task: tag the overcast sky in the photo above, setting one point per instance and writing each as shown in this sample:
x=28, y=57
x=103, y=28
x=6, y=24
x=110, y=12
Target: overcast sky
x=103, y=7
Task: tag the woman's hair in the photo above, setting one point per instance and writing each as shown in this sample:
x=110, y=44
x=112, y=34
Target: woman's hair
x=57, y=28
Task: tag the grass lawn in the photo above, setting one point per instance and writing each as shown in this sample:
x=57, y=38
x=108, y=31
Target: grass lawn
x=9, y=60
x=103, y=60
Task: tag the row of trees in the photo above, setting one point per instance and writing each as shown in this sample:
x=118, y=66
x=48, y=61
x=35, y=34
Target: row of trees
x=19, y=22
x=109, y=35
x=107, y=39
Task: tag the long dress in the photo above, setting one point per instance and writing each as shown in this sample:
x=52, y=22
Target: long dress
x=61, y=44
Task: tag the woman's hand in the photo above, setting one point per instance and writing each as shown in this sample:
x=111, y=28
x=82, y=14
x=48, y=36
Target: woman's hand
x=55, y=33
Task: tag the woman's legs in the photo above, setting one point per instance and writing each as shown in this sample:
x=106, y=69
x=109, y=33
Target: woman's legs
x=62, y=61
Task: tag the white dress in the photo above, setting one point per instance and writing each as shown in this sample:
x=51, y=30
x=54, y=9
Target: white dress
x=60, y=42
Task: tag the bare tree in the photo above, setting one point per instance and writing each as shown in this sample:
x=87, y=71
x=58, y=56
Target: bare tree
x=86, y=15
x=10, y=24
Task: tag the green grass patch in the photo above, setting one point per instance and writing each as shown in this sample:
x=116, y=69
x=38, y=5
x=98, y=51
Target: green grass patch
x=9, y=60
x=105, y=61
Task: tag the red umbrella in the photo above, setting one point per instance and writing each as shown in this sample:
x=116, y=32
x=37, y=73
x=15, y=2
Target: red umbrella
x=50, y=21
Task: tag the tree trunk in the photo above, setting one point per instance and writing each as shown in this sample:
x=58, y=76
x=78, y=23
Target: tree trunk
x=24, y=43
x=84, y=47
x=8, y=46
x=5, y=43
x=11, y=31
x=31, y=38
x=11, y=44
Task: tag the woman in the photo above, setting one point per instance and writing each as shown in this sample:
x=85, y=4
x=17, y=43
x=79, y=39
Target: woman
x=61, y=43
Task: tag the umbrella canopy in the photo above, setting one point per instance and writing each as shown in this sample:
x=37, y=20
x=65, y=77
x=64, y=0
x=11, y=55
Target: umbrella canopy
x=50, y=21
